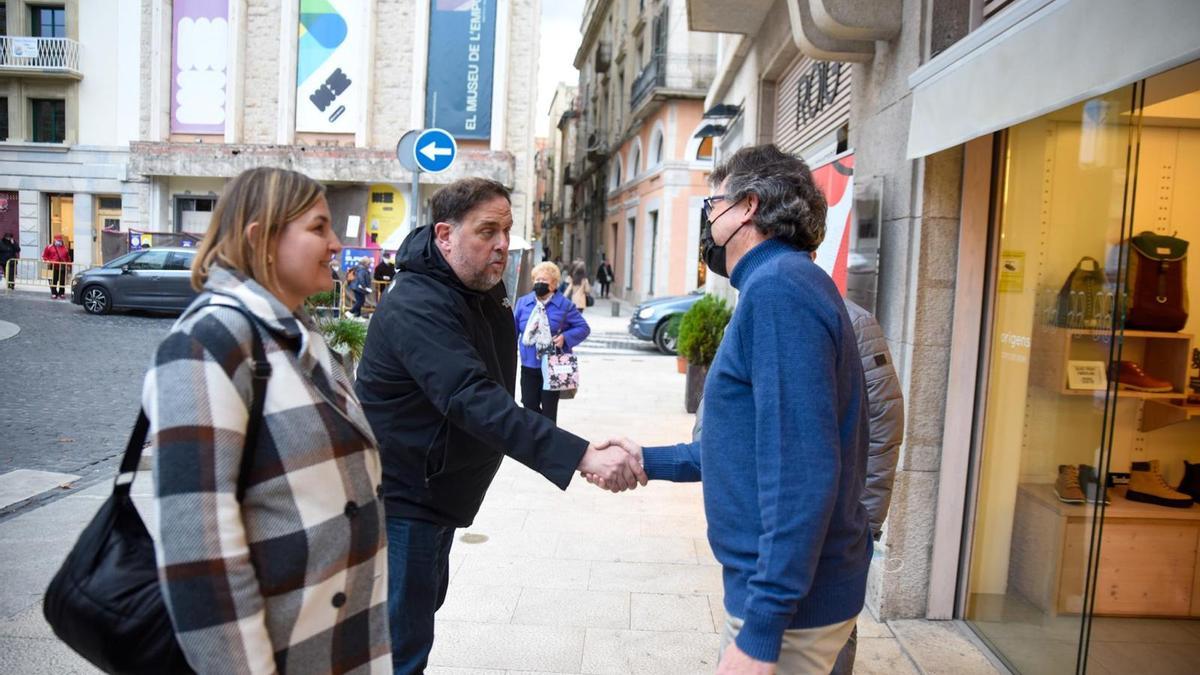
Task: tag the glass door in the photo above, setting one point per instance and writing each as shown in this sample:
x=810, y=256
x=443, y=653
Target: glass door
x=1048, y=391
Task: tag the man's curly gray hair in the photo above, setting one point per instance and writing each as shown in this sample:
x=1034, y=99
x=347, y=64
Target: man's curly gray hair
x=790, y=207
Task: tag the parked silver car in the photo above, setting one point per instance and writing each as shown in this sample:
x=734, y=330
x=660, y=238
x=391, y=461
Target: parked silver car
x=156, y=278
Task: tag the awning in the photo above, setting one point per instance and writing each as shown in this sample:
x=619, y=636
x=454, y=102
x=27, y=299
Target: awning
x=1041, y=55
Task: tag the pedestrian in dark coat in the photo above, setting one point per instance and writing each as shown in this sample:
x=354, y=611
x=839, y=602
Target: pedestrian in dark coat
x=9, y=250
x=605, y=276
x=436, y=379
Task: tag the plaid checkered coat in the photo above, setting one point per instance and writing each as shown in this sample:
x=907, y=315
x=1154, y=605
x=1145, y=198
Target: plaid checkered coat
x=294, y=578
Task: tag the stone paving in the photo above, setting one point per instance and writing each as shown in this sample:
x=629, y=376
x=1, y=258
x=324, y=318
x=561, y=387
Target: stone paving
x=71, y=383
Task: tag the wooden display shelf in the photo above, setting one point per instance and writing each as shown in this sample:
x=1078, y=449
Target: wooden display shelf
x=1149, y=562
x=1152, y=334
x=1126, y=394
x=1162, y=355
x=1157, y=414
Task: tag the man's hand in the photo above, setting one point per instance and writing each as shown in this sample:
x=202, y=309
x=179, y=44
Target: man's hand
x=735, y=662
x=635, y=453
x=560, y=340
x=613, y=468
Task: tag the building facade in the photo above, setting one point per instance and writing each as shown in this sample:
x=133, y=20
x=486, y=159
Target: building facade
x=68, y=104
x=559, y=155
x=996, y=167
x=641, y=169
x=328, y=88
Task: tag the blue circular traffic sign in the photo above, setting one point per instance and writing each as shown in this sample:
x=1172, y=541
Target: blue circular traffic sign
x=434, y=150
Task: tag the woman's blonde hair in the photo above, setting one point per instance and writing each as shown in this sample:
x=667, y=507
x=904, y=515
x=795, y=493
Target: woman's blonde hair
x=267, y=196
x=550, y=269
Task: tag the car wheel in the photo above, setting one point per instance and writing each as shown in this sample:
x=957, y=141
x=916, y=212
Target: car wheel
x=96, y=300
x=665, y=342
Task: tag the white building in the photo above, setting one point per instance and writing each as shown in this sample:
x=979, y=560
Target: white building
x=69, y=102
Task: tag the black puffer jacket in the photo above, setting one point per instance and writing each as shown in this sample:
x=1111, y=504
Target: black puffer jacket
x=436, y=381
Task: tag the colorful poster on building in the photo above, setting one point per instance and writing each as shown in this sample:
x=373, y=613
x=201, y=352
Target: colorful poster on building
x=387, y=217
x=458, y=89
x=328, y=62
x=198, y=68
x=836, y=181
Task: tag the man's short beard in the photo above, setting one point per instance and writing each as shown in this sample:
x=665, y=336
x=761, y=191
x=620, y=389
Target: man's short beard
x=476, y=280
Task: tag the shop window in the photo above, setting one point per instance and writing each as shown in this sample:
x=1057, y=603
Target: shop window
x=47, y=21
x=1090, y=416
x=49, y=117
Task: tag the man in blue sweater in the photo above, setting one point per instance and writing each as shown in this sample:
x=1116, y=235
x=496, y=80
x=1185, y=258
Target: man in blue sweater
x=784, y=448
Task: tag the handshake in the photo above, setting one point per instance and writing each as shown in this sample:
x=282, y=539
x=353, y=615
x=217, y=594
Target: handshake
x=615, y=465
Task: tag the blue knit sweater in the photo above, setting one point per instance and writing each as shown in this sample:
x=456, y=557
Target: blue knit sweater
x=784, y=452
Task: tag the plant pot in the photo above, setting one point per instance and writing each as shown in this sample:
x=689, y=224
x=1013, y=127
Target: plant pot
x=694, y=387
x=681, y=364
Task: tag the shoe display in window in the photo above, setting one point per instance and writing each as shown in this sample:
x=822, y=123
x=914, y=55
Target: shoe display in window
x=1091, y=484
x=1131, y=376
x=1147, y=485
x=1066, y=486
x=1190, y=485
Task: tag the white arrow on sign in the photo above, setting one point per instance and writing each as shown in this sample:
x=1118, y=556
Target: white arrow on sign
x=432, y=151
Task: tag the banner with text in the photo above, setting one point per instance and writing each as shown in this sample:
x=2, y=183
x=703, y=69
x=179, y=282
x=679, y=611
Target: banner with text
x=328, y=62
x=458, y=90
x=199, y=66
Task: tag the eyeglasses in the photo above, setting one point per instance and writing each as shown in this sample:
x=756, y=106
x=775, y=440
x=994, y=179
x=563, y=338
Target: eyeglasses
x=709, y=201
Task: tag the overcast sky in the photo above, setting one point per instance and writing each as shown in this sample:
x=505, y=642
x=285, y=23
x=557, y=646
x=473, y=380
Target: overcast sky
x=560, y=39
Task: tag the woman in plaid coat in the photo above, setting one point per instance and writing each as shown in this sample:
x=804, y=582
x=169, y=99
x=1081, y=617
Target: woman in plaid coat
x=293, y=577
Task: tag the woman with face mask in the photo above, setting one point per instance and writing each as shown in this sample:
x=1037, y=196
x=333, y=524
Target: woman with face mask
x=545, y=321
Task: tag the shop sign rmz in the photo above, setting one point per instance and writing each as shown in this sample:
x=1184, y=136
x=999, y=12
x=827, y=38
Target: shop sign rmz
x=816, y=90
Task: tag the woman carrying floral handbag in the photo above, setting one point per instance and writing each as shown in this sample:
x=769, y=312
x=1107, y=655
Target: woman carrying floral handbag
x=535, y=314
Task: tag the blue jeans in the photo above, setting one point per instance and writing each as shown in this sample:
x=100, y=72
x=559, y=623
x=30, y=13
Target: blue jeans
x=359, y=298
x=418, y=575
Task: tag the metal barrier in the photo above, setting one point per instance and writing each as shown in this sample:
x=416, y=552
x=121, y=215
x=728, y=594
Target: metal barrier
x=32, y=273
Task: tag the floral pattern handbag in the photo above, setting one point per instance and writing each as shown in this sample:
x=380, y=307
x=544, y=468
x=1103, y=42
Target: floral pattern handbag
x=560, y=371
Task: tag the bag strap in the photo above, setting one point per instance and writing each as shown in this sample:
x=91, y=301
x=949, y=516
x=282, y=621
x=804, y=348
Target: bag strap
x=260, y=374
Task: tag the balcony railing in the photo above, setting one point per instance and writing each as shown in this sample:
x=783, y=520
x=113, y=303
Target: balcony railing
x=39, y=55
x=677, y=72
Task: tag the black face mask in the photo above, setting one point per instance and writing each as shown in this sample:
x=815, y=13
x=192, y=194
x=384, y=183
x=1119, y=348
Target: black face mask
x=714, y=254
x=541, y=288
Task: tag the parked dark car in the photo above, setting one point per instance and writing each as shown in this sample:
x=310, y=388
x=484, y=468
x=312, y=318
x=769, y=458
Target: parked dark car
x=157, y=278
x=651, y=318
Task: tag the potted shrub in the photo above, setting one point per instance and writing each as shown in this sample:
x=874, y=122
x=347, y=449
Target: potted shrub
x=700, y=333
x=346, y=337
x=322, y=305
x=673, y=338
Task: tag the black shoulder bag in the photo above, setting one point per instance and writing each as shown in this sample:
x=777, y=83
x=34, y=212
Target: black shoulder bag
x=105, y=601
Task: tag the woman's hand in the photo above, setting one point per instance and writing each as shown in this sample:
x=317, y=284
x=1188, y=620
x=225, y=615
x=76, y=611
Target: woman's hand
x=559, y=340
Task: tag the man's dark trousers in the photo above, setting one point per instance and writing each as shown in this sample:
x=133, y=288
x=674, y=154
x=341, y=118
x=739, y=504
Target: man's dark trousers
x=418, y=575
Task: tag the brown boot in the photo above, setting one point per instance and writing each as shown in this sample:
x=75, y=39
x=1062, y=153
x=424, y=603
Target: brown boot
x=1130, y=375
x=1066, y=486
x=1147, y=485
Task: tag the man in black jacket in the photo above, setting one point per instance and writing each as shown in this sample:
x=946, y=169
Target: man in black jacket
x=436, y=380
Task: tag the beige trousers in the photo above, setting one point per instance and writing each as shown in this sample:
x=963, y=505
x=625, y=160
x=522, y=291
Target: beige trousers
x=805, y=651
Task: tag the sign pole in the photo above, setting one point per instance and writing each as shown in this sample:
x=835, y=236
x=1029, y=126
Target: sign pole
x=415, y=206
